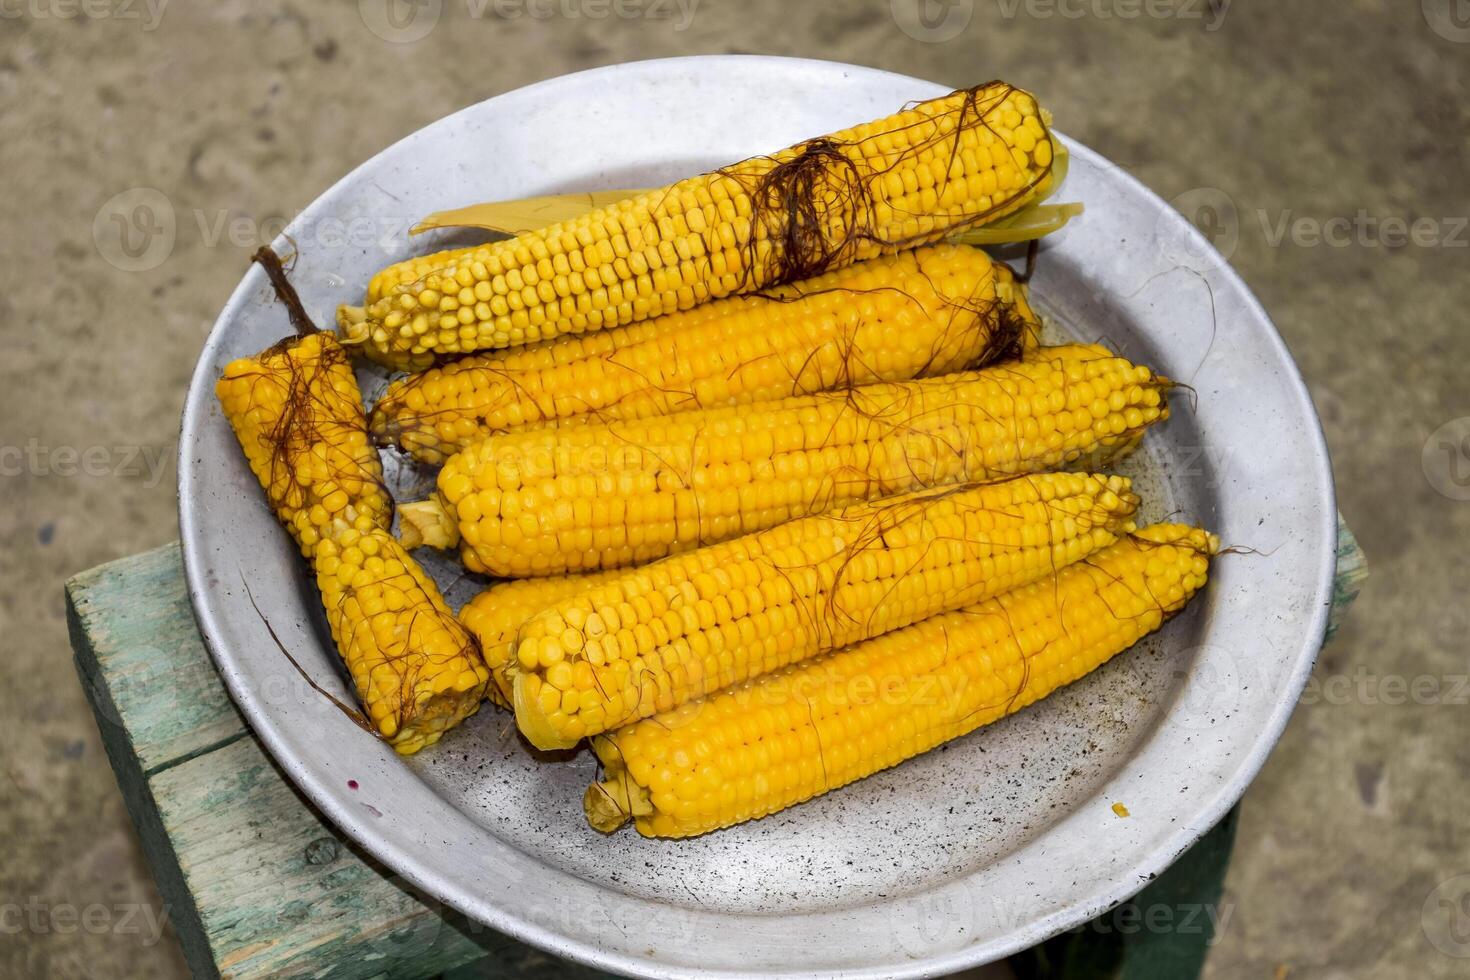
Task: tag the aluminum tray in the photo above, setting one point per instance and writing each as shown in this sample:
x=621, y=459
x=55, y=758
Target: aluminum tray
x=954, y=859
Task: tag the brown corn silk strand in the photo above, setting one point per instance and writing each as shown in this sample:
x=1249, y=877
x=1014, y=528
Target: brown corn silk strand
x=793, y=201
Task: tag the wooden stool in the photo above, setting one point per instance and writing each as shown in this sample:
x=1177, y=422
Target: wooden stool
x=258, y=885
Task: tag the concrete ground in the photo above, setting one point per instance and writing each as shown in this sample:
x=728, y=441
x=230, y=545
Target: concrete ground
x=1329, y=128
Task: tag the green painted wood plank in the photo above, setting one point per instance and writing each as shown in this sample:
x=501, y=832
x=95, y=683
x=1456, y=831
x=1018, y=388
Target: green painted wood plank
x=233, y=847
x=137, y=794
x=153, y=681
x=1352, y=572
x=280, y=894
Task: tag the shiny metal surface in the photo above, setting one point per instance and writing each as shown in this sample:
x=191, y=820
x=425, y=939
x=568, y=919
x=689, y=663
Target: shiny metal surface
x=953, y=859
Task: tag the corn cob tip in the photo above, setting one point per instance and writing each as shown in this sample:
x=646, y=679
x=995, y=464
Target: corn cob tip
x=434, y=716
x=604, y=814
x=427, y=523
x=497, y=614
x=352, y=324
x=353, y=329
x=532, y=719
x=1181, y=536
x=614, y=800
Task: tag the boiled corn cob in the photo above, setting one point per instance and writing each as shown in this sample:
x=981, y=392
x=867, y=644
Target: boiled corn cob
x=655, y=637
x=909, y=179
x=927, y=312
x=762, y=746
x=416, y=669
x=298, y=415
x=497, y=614
x=602, y=496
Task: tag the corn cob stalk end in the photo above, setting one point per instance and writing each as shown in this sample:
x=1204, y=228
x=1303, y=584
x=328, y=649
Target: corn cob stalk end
x=615, y=799
x=427, y=523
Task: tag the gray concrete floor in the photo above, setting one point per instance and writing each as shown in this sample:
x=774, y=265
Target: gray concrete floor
x=1355, y=841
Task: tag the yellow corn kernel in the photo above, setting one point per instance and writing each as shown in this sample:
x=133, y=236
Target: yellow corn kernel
x=497, y=614
x=771, y=743
x=585, y=497
x=906, y=180
x=799, y=589
x=922, y=313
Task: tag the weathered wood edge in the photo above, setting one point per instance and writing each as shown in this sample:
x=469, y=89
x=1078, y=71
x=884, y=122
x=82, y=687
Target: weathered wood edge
x=164, y=696
x=139, y=687
x=281, y=895
x=1352, y=572
x=138, y=796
